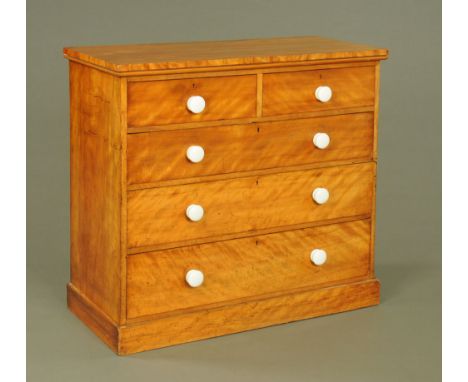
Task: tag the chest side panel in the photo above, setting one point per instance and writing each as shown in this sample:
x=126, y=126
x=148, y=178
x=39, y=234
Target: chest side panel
x=96, y=193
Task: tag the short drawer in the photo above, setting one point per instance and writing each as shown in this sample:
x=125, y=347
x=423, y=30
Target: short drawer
x=159, y=215
x=296, y=92
x=167, y=101
x=242, y=268
x=166, y=155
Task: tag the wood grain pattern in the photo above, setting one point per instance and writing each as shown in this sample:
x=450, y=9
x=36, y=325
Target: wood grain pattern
x=247, y=204
x=123, y=202
x=158, y=156
x=232, y=318
x=104, y=327
x=259, y=94
x=253, y=266
x=239, y=235
x=236, y=318
x=146, y=57
x=246, y=70
x=374, y=195
x=96, y=192
x=244, y=121
x=165, y=102
x=287, y=93
x=234, y=175
x=131, y=243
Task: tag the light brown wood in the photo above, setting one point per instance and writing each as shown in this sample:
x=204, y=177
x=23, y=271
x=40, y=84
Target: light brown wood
x=267, y=67
x=247, y=204
x=131, y=184
x=158, y=156
x=246, y=70
x=259, y=94
x=376, y=109
x=242, y=121
x=146, y=57
x=96, y=187
x=239, y=235
x=374, y=195
x=187, y=326
x=249, y=315
x=253, y=266
x=287, y=93
x=164, y=102
x=123, y=202
x=93, y=317
x=234, y=175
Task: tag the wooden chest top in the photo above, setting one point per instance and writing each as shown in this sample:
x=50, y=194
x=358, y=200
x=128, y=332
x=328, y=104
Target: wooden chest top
x=288, y=50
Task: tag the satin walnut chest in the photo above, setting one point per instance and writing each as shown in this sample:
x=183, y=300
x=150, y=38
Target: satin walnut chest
x=223, y=186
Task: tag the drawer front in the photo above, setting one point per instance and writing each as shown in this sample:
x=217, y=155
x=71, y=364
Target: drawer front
x=165, y=102
x=294, y=92
x=159, y=156
x=158, y=215
x=240, y=268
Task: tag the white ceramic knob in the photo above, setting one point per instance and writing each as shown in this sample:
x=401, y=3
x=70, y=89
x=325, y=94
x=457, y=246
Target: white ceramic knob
x=195, y=154
x=321, y=140
x=320, y=195
x=318, y=256
x=196, y=104
x=194, y=212
x=194, y=278
x=323, y=93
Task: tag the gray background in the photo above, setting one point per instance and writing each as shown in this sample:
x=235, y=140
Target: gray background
x=400, y=340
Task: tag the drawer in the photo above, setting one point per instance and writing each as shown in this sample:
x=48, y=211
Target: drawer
x=158, y=215
x=294, y=92
x=241, y=268
x=164, y=155
x=165, y=102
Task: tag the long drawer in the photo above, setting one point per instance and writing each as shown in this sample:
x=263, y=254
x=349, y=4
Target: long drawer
x=165, y=101
x=165, y=155
x=158, y=215
x=240, y=268
x=295, y=92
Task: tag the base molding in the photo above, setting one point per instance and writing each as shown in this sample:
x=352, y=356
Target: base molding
x=191, y=326
x=93, y=317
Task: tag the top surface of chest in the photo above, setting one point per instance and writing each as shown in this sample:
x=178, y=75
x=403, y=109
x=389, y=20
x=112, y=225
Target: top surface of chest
x=132, y=59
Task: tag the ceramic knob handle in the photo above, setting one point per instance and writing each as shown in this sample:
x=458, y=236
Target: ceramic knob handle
x=195, y=154
x=321, y=140
x=196, y=104
x=323, y=93
x=318, y=256
x=320, y=195
x=194, y=278
x=194, y=212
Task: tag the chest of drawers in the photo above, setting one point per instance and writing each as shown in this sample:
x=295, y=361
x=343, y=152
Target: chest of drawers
x=218, y=187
